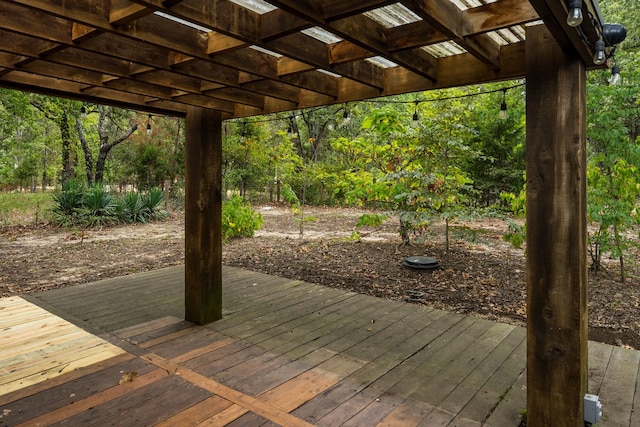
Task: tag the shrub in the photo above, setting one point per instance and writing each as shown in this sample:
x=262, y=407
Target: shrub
x=371, y=220
x=239, y=219
x=153, y=201
x=77, y=205
x=98, y=207
x=133, y=208
x=289, y=195
x=517, y=234
x=68, y=204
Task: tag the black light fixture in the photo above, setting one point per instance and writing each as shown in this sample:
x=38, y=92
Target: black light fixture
x=415, y=119
x=345, y=114
x=613, y=34
x=574, y=18
x=149, y=124
x=503, y=106
x=610, y=36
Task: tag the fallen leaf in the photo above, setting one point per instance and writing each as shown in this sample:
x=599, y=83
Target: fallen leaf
x=128, y=377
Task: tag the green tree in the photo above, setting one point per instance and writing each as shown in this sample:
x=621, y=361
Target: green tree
x=613, y=171
x=113, y=127
x=63, y=113
x=411, y=170
x=28, y=144
x=499, y=143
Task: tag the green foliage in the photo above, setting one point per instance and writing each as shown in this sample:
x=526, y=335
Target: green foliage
x=239, y=219
x=517, y=202
x=98, y=206
x=613, y=172
x=151, y=166
x=517, y=234
x=131, y=208
x=415, y=172
x=499, y=143
x=69, y=203
x=153, y=201
x=289, y=195
x=371, y=220
x=79, y=205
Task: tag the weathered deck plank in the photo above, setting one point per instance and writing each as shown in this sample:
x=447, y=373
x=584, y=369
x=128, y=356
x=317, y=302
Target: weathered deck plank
x=291, y=353
x=618, y=387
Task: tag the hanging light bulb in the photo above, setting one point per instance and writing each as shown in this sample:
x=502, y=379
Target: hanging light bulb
x=574, y=18
x=599, y=57
x=503, y=106
x=345, y=115
x=415, y=119
x=615, y=79
x=149, y=125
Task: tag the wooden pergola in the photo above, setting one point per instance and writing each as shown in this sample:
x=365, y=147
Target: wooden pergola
x=211, y=60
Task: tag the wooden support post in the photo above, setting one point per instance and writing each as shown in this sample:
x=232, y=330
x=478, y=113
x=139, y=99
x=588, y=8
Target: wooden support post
x=203, y=222
x=556, y=233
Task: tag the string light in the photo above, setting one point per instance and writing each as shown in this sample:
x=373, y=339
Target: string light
x=615, y=79
x=415, y=119
x=599, y=57
x=503, y=106
x=574, y=18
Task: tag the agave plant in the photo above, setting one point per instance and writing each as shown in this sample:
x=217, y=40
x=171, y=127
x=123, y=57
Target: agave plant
x=99, y=206
x=133, y=209
x=68, y=203
x=153, y=202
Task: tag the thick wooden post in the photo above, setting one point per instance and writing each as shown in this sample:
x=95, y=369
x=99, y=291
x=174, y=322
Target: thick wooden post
x=203, y=206
x=556, y=233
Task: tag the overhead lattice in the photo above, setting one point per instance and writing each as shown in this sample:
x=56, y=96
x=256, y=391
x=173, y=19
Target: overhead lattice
x=248, y=57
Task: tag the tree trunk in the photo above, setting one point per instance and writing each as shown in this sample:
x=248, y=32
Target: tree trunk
x=88, y=157
x=100, y=163
x=65, y=133
x=105, y=145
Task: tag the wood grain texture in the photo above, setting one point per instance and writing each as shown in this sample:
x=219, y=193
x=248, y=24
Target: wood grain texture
x=323, y=357
x=556, y=233
x=222, y=34
x=38, y=346
x=203, y=216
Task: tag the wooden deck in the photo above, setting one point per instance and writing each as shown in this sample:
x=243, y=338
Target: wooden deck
x=286, y=353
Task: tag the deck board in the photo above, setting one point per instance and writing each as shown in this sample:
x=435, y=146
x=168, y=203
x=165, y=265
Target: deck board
x=37, y=345
x=285, y=353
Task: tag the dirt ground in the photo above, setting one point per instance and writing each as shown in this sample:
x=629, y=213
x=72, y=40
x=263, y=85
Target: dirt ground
x=481, y=275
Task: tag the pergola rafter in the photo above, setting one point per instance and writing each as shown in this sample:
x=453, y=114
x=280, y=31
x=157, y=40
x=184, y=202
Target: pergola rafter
x=177, y=54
